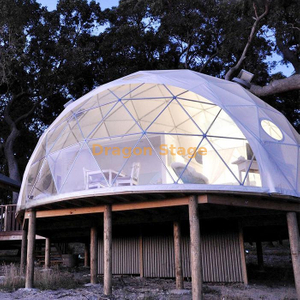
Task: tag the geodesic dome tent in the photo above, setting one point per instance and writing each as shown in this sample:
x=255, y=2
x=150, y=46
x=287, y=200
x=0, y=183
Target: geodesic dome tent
x=166, y=130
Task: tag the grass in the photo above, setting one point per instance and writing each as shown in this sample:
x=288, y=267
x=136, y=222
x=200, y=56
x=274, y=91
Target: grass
x=51, y=279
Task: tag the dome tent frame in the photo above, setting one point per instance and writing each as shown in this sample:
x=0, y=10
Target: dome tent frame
x=279, y=177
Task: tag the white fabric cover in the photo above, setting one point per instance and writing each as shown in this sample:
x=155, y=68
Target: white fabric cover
x=278, y=160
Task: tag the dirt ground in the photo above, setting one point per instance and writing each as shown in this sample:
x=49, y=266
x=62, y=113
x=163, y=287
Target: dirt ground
x=274, y=282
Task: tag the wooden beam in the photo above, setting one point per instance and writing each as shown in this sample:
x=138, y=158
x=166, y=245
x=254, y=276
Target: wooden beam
x=107, y=239
x=23, y=250
x=94, y=255
x=251, y=202
x=177, y=252
x=47, y=253
x=295, y=248
x=30, y=250
x=243, y=257
x=115, y=207
x=196, y=269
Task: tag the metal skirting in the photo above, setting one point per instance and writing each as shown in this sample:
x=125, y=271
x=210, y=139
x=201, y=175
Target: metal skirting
x=220, y=255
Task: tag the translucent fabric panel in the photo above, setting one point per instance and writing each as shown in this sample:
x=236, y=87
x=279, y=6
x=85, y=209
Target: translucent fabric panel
x=154, y=167
x=117, y=156
x=83, y=162
x=117, y=121
x=218, y=162
x=243, y=113
x=179, y=150
x=44, y=185
x=188, y=95
x=252, y=176
x=99, y=99
x=33, y=176
x=70, y=134
x=149, y=91
x=61, y=162
x=126, y=90
x=232, y=95
x=224, y=126
x=285, y=156
x=174, y=119
x=145, y=112
x=202, y=114
x=41, y=151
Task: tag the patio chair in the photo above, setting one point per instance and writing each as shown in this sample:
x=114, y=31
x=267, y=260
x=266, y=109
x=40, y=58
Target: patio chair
x=190, y=175
x=133, y=178
x=93, y=179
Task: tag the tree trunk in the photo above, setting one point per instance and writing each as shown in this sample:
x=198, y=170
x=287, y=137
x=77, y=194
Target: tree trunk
x=13, y=168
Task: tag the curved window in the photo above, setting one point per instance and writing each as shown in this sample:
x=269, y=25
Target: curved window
x=271, y=129
x=141, y=134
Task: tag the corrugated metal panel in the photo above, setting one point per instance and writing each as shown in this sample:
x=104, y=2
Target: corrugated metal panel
x=125, y=256
x=158, y=256
x=220, y=256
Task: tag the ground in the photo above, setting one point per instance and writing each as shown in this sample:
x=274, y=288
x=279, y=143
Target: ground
x=275, y=282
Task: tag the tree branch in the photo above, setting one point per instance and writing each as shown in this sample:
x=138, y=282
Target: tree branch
x=257, y=18
x=277, y=86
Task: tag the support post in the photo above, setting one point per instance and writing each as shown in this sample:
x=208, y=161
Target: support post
x=47, y=253
x=196, y=269
x=30, y=250
x=94, y=255
x=23, y=250
x=243, y=257
x=295, y=248
x=177, y=252
x=260, y=258
x=86, y=254
x=107, y=251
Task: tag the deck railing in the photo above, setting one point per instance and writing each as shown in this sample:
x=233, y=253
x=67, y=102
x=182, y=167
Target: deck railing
x=8, y=221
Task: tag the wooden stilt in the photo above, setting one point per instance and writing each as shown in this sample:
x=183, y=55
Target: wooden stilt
x=94, y=255
x=23, y=250
x=295, y=248
x=30, y=250
x=196, y=269
x=243, y=257
x=260, y=258
x=107, y=250
x=86, y=254
x=177, y=252
x=47, y=253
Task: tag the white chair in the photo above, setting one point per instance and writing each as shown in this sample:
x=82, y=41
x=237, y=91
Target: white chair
x=93, y=179
x=133, y=179
x=190, y=175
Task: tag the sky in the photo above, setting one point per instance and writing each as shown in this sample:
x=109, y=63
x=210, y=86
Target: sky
x=51, y=4
x=286, y=70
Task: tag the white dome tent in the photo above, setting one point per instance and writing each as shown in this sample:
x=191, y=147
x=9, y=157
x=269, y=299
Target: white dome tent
x=218, y=131
x=158, y=149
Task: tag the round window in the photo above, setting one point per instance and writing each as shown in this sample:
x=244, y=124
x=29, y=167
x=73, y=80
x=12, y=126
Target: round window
x=271, y=129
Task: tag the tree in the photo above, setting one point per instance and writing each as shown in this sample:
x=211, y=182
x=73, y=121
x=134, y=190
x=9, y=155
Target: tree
x=46, y=59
